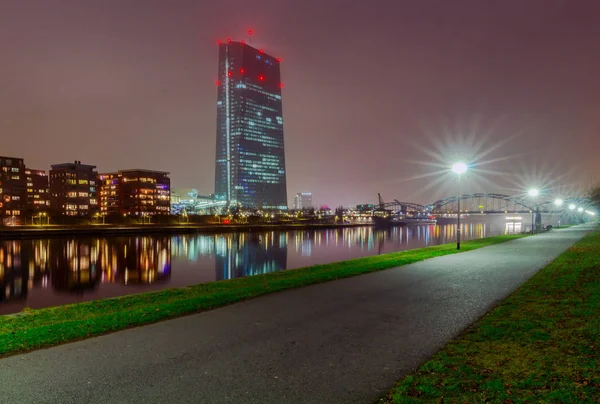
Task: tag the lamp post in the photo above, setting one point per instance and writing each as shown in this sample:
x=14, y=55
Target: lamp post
x=559, y=202
x=458, y=168
x=533, y=193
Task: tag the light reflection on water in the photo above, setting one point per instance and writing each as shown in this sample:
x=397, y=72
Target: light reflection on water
x=42, y=273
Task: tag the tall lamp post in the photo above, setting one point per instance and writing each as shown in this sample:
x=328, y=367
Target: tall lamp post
x=559, y=202
x=459, y=168
x=533, y=193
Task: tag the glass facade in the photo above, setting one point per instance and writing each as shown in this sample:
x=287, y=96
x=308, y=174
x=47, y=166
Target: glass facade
x=250, y=159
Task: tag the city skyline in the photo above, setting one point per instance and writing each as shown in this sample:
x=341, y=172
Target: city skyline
x=117, y=84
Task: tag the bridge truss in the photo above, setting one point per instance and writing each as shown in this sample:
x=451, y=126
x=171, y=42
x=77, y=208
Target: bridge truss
x=482, y=203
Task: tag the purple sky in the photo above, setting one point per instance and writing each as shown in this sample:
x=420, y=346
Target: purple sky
x=373, y=91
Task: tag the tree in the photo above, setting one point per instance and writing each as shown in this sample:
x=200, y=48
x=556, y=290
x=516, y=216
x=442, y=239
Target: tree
x=595, y=196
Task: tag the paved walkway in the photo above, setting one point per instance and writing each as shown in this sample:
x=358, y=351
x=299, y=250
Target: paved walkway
x=345, y=342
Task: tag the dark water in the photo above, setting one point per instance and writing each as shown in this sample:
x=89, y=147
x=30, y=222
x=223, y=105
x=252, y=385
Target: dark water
x=51, y=272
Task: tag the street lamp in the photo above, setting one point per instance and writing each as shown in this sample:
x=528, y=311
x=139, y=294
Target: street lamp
x=579, y=210
x=534, y=192
x=459, y=168
x=559, y=202
x=572, y=207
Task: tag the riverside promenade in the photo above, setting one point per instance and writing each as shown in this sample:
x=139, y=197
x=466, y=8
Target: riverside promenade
x=346, y=341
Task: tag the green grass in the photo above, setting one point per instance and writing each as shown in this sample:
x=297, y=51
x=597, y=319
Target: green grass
x=50, y=326
x=541, y=345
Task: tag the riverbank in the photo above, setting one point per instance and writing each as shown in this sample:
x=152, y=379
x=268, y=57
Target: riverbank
x=32, y=329
x=542, y=344
x=22, y=232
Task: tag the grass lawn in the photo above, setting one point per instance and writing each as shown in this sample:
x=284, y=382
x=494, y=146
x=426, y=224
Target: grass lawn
x=541, y=345
x=44, y=327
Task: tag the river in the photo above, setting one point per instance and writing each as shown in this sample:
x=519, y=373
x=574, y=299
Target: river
x=50, y=272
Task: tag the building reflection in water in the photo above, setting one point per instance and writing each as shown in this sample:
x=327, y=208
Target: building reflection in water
x=247, y=254
x=80, y=267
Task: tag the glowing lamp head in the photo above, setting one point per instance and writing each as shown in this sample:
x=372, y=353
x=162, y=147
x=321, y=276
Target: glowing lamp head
x=572, y=207
x=460, y=168
x=558, y=202
x=580, y=210
x=533, y=192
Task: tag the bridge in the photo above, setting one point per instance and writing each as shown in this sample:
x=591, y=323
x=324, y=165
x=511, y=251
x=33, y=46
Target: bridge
x=485, y=203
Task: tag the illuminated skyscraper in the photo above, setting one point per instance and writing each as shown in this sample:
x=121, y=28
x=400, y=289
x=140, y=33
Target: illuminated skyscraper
x=250, y=159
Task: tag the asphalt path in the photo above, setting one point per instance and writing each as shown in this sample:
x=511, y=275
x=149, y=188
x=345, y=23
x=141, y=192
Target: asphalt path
x=346, y=341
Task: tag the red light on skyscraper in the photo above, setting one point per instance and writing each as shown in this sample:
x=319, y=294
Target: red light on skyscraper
x=218, y=42
x=249, y=32
x=279, y=60
x=228, y=40
x=229, y=74
x=261, y=78
x=261, y=51
x=243, y=42
x=242, y=70
x=280, y=85
x=217, y=82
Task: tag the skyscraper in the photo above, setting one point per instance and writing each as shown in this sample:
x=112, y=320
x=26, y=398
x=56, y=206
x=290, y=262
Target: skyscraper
x=250, y=159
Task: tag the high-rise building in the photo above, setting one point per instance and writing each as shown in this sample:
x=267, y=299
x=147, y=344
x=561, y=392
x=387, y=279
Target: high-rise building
x=303, y=200
x=38, y=193
x=250, y=159
x=73, y=189
x=135, y=192
x=13, y=190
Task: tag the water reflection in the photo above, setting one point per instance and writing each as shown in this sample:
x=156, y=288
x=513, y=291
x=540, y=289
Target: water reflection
x=40, y=273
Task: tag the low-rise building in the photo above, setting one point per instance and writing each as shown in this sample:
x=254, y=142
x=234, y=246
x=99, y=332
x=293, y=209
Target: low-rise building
x=135, y=192
x=38, y=193
x=73, y=189
x=13, y=190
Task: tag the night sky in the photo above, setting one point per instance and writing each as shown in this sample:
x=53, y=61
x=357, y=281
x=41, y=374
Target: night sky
x=379, y=96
